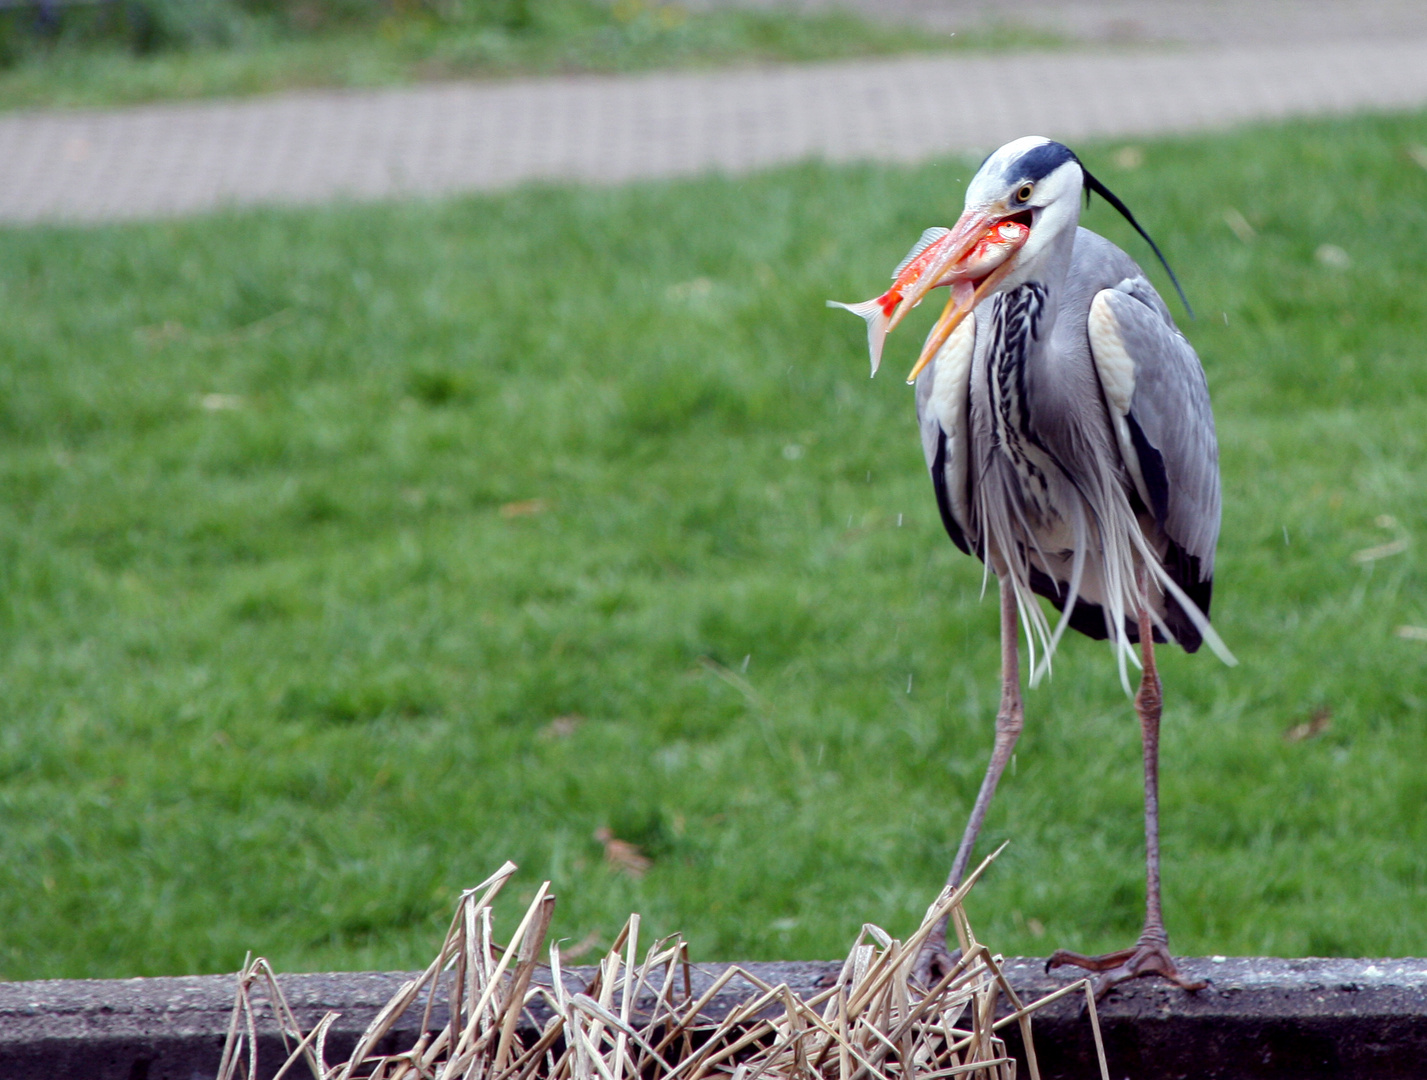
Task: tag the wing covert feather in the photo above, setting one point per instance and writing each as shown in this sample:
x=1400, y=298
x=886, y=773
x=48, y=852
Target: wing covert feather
x=942, y=404
x=1159, y=401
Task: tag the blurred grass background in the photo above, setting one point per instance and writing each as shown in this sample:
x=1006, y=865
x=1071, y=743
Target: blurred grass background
x=108, y=52
x=348, y=552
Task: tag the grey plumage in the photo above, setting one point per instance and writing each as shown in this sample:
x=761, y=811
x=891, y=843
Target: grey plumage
x=1161, y=483
x=1067, y=429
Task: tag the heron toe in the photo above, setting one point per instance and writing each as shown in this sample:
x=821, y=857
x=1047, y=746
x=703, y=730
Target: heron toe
x=934, y=963
x=1149, y=956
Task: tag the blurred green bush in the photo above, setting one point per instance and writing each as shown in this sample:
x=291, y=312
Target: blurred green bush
x=147, y=26
x=102, y=53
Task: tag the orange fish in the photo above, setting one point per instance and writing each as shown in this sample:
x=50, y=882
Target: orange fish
x=991, y=250
x=879, y=311
x=938, y=258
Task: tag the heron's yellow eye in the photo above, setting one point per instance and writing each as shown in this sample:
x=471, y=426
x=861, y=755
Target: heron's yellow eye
x=1025, y=192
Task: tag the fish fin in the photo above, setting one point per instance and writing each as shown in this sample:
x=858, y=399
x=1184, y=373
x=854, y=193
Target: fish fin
x=877, y=321
x=928, y=238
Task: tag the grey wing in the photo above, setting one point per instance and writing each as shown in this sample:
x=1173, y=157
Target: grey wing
x=942, y=403
x=1159, y=402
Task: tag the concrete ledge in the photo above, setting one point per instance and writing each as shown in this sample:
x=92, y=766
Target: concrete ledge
x=1261, y=1018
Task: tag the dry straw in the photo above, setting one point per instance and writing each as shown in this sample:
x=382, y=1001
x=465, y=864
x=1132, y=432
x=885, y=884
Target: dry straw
x=640, y=1020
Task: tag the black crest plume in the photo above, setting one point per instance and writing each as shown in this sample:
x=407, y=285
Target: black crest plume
x=1091, y=184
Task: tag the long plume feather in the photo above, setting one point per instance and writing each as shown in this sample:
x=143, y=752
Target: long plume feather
x=1092, y=184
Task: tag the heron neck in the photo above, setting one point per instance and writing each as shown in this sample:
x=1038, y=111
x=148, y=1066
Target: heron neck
x=1048, y=273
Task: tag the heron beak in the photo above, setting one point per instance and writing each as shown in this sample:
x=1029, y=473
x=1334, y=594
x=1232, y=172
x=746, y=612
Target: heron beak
x=973, y=270
x=963, y=239
x=965, y=295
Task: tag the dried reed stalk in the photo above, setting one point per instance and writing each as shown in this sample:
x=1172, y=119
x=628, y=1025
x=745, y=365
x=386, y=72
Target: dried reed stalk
x=640, y=1021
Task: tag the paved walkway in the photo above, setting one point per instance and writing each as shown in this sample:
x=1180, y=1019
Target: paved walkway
x=179, y=159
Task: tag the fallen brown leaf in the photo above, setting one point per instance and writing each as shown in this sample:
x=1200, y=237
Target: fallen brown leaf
x=1311, y=728
x=562, y=727
x=525, y=508
x=622, y=855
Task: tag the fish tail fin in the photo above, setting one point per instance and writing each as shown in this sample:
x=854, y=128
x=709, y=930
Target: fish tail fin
x=877, y=321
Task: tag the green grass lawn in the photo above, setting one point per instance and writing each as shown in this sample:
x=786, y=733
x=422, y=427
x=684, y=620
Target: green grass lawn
x=347, y=553
x=564, y=36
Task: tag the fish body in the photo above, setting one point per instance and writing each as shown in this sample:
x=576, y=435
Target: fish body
x=880, y=310
x=926, y=267
x=991, y=250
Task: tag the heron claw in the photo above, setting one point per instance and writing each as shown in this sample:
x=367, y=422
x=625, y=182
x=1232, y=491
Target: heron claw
x=1149, y=956
x=934, y=962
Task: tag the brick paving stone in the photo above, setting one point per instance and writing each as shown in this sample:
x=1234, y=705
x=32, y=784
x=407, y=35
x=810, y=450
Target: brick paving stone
x=165, y=160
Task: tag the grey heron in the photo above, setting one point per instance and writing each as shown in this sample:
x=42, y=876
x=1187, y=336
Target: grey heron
x=1067, y=429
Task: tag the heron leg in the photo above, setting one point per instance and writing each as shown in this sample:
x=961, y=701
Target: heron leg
x=935, y=961
x=1150, y=954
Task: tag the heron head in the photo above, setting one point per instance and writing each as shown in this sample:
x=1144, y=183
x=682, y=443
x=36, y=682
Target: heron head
x=1022, y=207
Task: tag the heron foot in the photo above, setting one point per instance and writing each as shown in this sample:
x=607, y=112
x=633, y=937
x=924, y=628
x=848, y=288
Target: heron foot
x=934, y=962
x=1149, y=956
